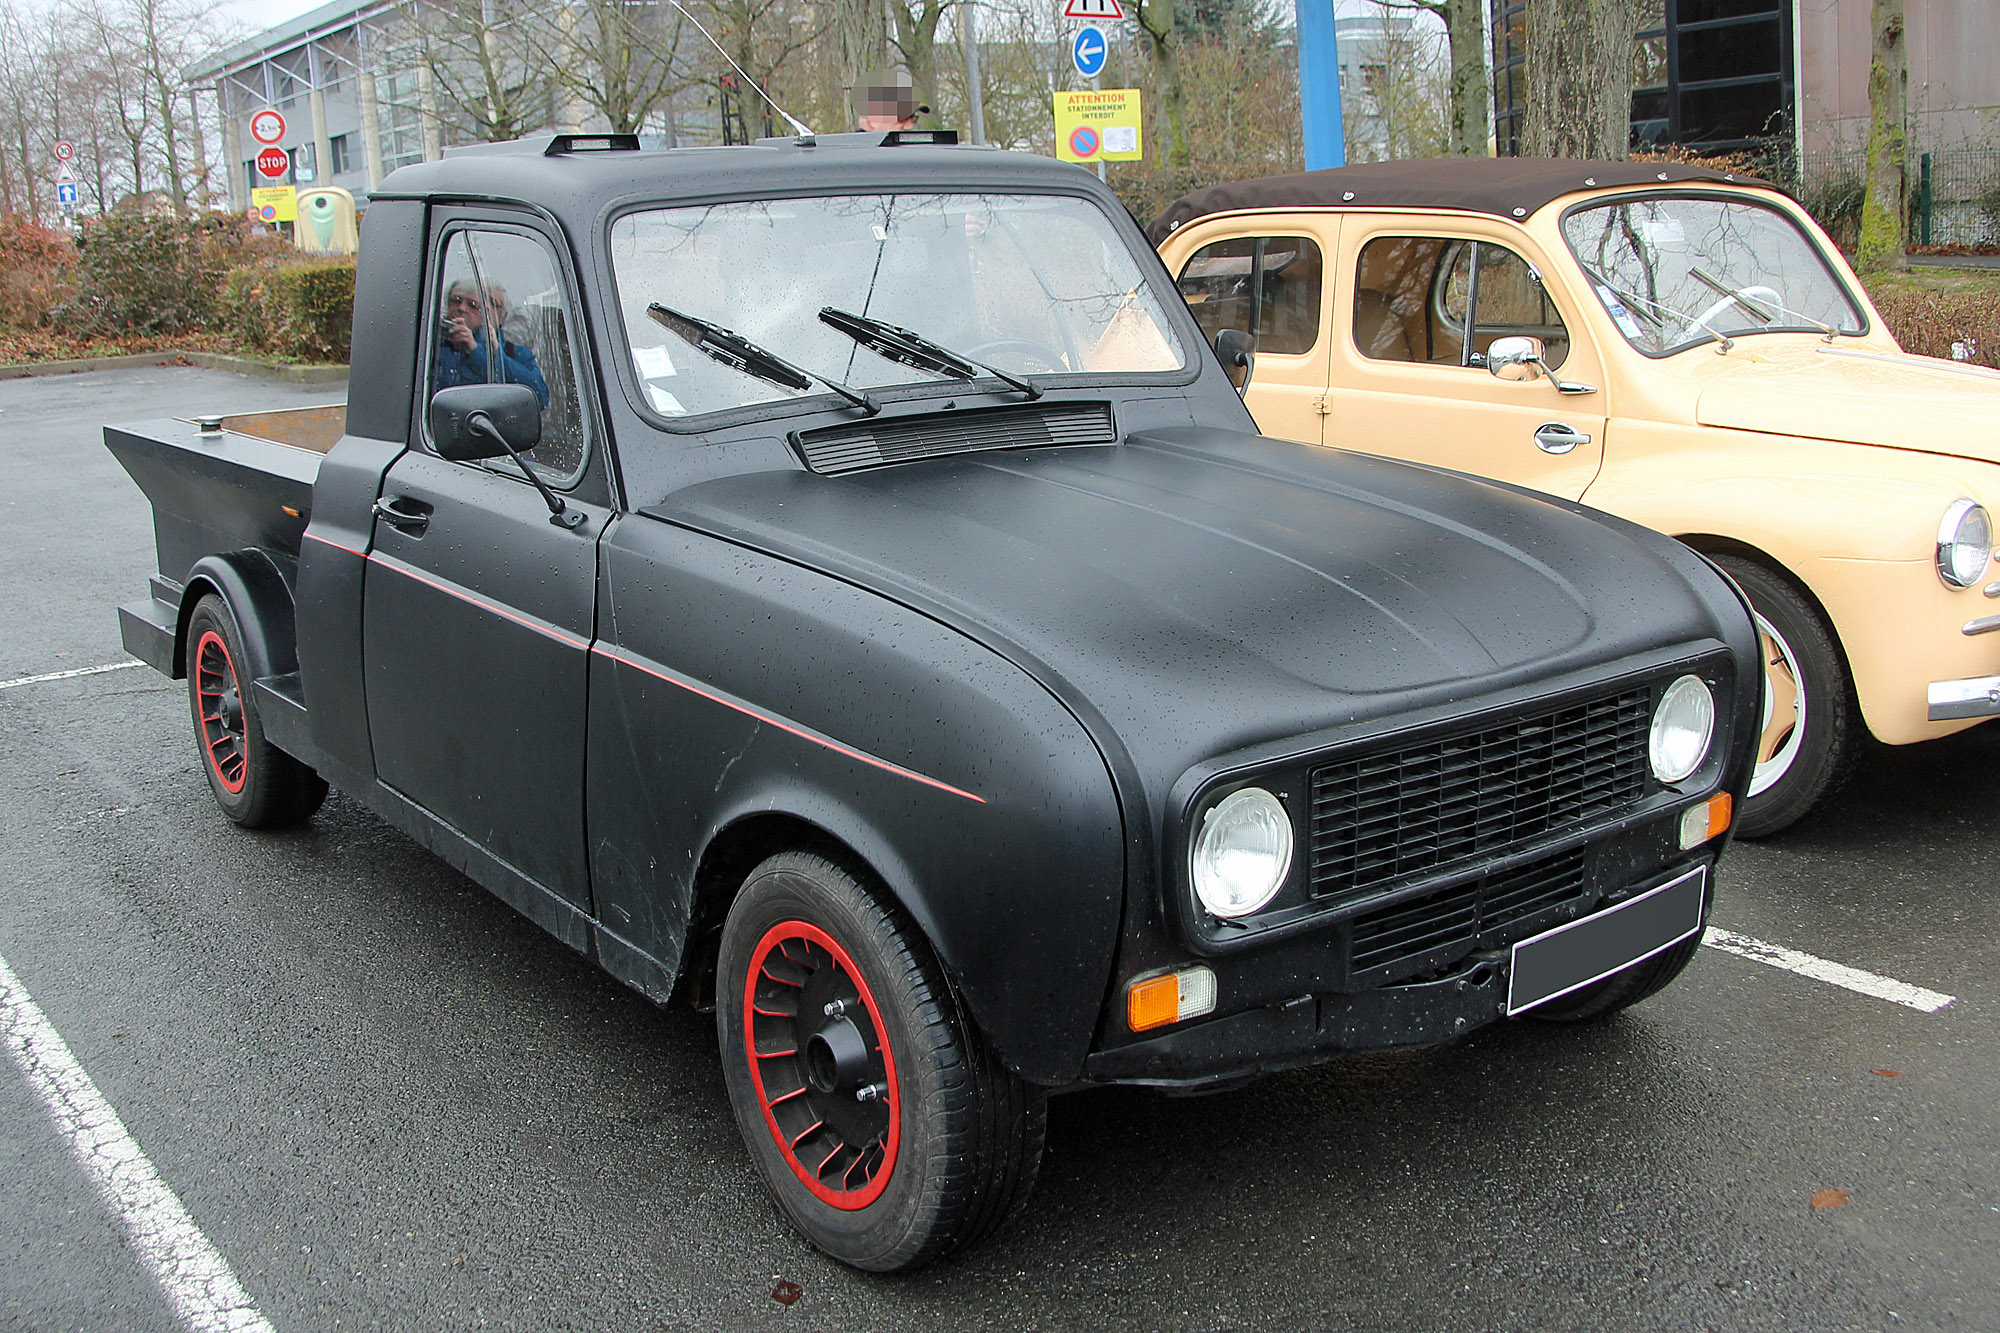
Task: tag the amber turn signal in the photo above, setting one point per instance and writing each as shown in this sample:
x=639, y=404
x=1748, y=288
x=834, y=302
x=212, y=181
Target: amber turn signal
x=1157, y=1001
x=1708, y=820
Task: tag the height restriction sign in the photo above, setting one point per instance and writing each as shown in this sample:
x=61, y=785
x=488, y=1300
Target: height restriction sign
x=1098, y=126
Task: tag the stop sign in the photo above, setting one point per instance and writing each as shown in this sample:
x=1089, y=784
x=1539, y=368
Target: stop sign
x=273, y=163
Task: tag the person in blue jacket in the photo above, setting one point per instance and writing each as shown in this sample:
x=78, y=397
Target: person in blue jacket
x=463, y=357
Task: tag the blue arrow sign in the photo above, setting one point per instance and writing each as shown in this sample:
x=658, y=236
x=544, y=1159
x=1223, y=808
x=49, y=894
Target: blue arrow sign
x=66, y=193
x=1088, y=50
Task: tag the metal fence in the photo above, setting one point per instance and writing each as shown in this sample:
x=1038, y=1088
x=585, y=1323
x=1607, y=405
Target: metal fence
x=1954, y=193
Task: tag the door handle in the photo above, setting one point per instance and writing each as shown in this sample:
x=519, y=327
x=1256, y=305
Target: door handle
x=405, y=514
x=1556, y=437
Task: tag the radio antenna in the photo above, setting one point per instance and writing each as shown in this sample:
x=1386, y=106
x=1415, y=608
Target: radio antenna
x=790, y=119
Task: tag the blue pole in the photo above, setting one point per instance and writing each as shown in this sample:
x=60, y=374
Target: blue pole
x=1319, y=84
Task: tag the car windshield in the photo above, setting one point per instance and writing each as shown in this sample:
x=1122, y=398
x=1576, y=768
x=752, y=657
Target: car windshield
x=1037, y=285
x=1678, y=271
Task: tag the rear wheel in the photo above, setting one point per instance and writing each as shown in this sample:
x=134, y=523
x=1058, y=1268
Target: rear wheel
x=256, y=784
x=1808, y=718
x=886, y=1130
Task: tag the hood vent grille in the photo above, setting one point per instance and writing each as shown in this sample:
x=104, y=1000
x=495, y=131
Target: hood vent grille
x=879, y=442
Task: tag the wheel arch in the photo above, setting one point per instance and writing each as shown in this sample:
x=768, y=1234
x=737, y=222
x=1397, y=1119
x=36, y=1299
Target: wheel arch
x=766, y=822
x=1713, y=544
x=258, y=599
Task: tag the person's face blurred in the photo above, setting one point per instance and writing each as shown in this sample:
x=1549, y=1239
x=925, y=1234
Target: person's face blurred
x=889, y=108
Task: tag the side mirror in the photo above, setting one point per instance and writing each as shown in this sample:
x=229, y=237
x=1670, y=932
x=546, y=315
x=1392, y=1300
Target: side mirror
x=1523, y=358
x=511, y=410
x=1517, y=359
x=1237, y=352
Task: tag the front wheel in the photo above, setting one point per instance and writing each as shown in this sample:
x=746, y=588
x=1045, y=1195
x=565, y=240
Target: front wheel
x=1808, y=719
x=886, y=1130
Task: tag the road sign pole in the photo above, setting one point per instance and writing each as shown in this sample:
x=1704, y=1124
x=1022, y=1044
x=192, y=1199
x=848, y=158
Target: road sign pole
x=1097, y=85
x=1319, y=85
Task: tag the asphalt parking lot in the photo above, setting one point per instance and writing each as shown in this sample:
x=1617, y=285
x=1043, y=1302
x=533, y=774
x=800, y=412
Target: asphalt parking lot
x=383, y=1100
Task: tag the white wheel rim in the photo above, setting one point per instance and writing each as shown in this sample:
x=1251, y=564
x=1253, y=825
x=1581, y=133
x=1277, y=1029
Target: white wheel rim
x=1781, y=677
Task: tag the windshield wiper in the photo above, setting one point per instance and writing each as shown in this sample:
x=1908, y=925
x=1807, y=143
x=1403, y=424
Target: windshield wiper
x=737, y=352
x=1743, y=299
x=1655, y=309
x=913, y=349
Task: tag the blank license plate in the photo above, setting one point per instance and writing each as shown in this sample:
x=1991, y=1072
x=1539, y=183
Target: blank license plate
x=1572, y=956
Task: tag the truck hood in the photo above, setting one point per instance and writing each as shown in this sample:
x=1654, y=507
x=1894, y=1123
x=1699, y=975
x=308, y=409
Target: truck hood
x=1861, y=397
x=1203, y=590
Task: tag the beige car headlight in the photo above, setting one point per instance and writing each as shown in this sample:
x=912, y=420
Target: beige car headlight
x=1964, y=544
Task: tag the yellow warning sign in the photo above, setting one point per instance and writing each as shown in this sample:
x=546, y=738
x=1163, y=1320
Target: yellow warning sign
x=1098, y=126
x=275, y=203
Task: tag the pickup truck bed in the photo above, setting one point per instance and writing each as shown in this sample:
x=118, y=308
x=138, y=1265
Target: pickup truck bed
x=246, y=485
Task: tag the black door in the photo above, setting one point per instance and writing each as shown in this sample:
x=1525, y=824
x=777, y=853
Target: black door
x=478, y=611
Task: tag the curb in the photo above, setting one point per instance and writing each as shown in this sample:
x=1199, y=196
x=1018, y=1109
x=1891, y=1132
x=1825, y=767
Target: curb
x=241, y=365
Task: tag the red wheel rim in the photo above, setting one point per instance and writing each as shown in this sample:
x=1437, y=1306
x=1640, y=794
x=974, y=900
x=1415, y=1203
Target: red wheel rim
x=218, y=697
x=821, y=1064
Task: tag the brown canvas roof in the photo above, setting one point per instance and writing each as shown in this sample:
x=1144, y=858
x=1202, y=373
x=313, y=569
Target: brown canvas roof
x=1504, y=186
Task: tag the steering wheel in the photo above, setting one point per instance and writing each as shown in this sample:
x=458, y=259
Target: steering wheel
x=1049, y=359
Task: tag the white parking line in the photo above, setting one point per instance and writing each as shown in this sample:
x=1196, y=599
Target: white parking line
x=1819, y=969
x=194, y=1277
x=65, y=675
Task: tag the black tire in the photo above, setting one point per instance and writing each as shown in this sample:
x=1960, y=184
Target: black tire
x=256, y=784
x=1807, y=749
x=1621, y=990
x=943, y=1152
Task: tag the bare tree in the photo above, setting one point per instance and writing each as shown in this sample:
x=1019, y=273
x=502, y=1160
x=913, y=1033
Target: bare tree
x=915, y=40
x=483, y=63
x=1160, y=35
x=1471, y=90
x=1579, y=78
x=1882, y=237
x=621, y=58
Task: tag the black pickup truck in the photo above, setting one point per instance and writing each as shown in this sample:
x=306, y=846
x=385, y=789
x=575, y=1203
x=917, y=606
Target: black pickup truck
x=832, y=581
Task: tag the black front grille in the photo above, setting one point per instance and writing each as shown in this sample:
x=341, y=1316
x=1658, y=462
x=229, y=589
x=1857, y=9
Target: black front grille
x=1383, y=819
x=1422, y=934
x=866, y=444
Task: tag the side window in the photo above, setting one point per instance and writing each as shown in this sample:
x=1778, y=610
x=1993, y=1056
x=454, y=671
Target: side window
x=1267, y=286
x=1410, y=300
x=499, y=319
x=1511, y=301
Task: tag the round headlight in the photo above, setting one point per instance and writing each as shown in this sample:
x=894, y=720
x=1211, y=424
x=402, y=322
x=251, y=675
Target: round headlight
x=1243, y=852
x=1683, y=725
x=1964, y=544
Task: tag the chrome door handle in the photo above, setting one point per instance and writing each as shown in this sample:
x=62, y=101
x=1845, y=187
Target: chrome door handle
x=1555, y=437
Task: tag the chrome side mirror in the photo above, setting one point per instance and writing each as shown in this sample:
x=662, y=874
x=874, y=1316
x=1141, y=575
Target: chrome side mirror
x=1522, y=358
x=1517, y=359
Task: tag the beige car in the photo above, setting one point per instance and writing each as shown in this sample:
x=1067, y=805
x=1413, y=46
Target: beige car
x=1671, y=344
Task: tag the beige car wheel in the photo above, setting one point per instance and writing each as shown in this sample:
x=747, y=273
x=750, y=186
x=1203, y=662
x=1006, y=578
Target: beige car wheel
x=1808, y=720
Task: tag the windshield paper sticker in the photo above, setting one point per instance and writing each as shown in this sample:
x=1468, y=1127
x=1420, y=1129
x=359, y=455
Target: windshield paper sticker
x=653, y=362
x=1619, y=314
x=664, y=402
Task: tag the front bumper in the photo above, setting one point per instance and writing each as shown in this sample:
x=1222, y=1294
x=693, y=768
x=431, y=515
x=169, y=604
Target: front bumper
x=1952, y=700
x=1426, y=1010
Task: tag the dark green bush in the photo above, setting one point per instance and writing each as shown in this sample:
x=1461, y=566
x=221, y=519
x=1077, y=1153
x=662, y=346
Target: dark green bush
x=304, y=311
x=141, y=275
